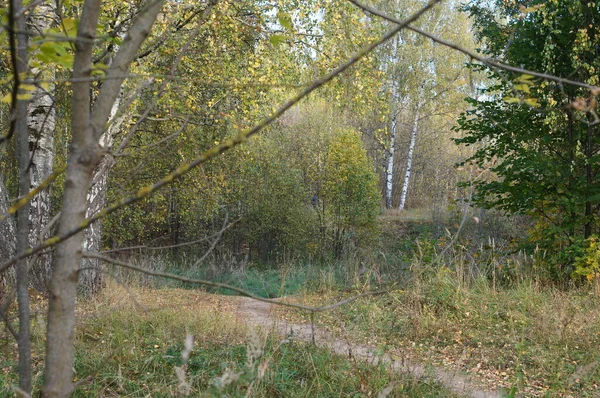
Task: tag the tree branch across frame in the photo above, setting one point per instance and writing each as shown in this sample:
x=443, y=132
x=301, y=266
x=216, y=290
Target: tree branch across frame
x=224, y=146
x=238, y=290
x=595, y=90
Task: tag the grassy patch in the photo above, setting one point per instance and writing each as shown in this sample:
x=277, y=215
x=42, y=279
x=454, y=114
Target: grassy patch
x=538, y=341
x=124, y=350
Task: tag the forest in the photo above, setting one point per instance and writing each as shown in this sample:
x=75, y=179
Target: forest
x=285, y=198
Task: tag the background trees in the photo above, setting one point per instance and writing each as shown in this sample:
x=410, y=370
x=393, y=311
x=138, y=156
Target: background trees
x=106, y=104
x=538, y=139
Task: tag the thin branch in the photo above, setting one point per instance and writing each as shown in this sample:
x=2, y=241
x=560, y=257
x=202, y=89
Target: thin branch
x=12, y=39
x=169, y=77
x=31, y=194
x=109, y=92
x=230, y=287
x=213, y=245
x=177, y=27
x=3, y=308
x=172, y=246
x=224, y=146
x=487, y=61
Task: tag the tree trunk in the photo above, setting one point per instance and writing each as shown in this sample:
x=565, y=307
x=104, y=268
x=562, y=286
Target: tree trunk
x=22, y=153
x=587, y=232
x=41, y=123
x=411, y=150
x=8, y=232
x=87, y=129
x=389, y=172
x=91, y=279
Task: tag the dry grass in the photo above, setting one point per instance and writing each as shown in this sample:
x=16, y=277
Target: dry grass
x=531, y=340
x=129, y=343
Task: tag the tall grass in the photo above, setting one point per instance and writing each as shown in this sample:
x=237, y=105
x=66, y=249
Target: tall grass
x=134, y=348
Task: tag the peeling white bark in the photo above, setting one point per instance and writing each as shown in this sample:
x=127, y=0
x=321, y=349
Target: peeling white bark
x=91, y=279
x=389, y=173
x=41, y=124
x=411, y=150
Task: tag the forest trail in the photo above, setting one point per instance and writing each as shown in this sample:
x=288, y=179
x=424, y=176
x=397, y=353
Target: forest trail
x=260, y=314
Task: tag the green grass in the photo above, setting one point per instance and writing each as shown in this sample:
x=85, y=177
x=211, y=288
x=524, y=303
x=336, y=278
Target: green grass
x=538, y=341
x=123, y=351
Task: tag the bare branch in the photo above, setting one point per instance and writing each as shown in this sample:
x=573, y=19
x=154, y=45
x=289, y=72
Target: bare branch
x=224, y=146
x=173, y=246
x=487, y=61
x=214, y=244
x=3, y=308
x=230, y=287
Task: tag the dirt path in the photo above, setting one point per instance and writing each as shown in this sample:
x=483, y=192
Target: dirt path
x=260, y=314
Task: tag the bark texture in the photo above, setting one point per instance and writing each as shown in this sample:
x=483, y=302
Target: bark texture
x=8, y=233
x=389, y=172
x=22, y=153
x=41, y=122
x=86, y=153
x=411, y=150
x=91, y=279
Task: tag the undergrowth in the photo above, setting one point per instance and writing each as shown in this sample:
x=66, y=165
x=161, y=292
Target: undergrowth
x=132, y=346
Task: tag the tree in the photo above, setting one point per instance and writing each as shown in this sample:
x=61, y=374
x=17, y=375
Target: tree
x=538, y=139
x=350, y=192
x=41, y=114
x=94, y=90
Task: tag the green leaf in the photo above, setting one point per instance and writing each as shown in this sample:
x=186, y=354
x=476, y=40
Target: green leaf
x=285, y=20
x=276, y=40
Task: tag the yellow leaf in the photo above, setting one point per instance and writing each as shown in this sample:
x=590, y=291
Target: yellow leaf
x=27, y=87
x=523, y=87
x=68, y=23
x=7, y=98
x=532, y=102
x=511, y=100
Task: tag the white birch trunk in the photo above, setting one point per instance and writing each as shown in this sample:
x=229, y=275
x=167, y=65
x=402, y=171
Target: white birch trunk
x=41, y=123
x=91, y=278
x=389, y=173
x=411, y=150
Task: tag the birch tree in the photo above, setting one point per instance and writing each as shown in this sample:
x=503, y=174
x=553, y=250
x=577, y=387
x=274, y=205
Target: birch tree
x=411, y=147
x=41, y=123
x=394, y=110
x=89, y=118
x=87, y=128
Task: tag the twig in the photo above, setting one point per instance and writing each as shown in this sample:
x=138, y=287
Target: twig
x=172, y=246
x=226, y=145
x=213, y=245
x=230, y=287
x=3, y=308
x=487, y=61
